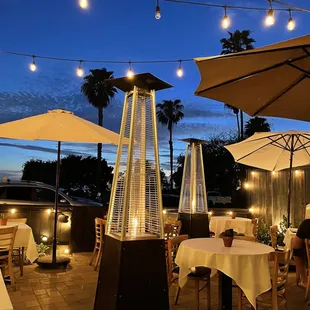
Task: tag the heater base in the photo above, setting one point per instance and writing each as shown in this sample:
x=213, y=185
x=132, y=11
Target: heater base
x=195, y=225
x=46, y=262
x=132, y=276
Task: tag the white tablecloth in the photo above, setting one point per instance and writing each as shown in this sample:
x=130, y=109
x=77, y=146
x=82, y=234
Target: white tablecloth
x=241, y=225
x=24, y=238
x=245, y=262
x=5, y=302
x=289, y=236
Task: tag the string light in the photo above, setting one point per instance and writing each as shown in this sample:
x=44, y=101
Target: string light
x=79, y=70
x=130, y=74
x=180, y=72
x=291, y=23
x=297, y=172
x=13, y=211
x=157, y=10
x=269, y=21
x=83, y=4
x=225, y=20
x=33, y=66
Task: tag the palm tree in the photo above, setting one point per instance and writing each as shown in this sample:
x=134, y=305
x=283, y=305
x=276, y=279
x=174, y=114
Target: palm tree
x=256, y=124
x=99, y=93
x=236, y=112
x=169, y=112
x=238, y=41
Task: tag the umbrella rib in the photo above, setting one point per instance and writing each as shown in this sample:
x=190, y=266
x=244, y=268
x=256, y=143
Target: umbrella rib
x=303, y=145
x=278, y=160
x=300, y=69
x=253, y=73
x=279, y=95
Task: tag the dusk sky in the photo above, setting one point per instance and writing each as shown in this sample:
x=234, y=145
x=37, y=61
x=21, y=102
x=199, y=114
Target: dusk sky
x=119, y=30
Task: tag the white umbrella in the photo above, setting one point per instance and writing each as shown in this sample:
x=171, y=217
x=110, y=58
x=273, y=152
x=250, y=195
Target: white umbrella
x=60, y=126
x=269, y=81
x=274, y=151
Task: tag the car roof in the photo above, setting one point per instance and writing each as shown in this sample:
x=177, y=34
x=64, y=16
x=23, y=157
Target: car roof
x=24, y=183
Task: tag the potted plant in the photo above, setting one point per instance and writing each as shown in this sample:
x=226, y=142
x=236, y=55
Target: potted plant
x=228, y=237
x=3, y=219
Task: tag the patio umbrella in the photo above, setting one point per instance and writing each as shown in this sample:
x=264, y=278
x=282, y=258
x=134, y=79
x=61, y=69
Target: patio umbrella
x=274, y=151
x=60, y=126
x=270, y=81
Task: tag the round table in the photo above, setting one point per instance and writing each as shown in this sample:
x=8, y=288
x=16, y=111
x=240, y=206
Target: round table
x=245, y=262
x=241, y=225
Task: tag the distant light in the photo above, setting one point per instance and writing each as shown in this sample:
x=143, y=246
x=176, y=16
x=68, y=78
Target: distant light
x=273, y=173
x=33, y=66
x=210, y=212
x=66, y=251
x=297, y=172
x=130, y=74
x=251, y=210
x=79, y=70
x=246, y=185
x=44, y=238
x=164, y=211
x=230, y=212
x=253, y=173
x=84, y=4
x=13, y=211
x=49, y=211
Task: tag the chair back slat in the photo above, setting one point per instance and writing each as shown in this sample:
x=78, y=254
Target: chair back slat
x=273, y=234
x=100, y=225
x=7, y=238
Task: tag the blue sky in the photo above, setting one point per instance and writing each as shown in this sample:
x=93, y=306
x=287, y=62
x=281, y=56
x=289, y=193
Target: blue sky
x=118, y=30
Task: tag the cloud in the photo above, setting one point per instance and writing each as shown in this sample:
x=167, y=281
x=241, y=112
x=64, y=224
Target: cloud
x=11, y=174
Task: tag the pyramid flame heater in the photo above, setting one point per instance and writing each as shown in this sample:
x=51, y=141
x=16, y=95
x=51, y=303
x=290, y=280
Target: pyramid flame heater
x=133, y=267
x=193, y=205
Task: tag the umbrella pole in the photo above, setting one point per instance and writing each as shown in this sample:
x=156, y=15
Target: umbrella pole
x=56, y=205
x=289, y=191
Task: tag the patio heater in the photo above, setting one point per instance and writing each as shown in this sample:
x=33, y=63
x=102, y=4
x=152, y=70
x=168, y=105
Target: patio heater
x=193, y=205
x=133, y=267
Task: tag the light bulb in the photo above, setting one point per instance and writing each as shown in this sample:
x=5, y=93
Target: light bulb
x=253, y=173
x=246, y=185
x=157, y=12
x=225, y=22
x=13, y=211
x=273, y=173
x=49, y=211
x=251, y=210
x=33, y=66
x=180, y=71
x=291, y=24
x=44, y=238
x=297, y=172
x=269, y=21
x=130, y=73
x=164, y=211
x=83, y=4
x=79, y=71
x=66, y=251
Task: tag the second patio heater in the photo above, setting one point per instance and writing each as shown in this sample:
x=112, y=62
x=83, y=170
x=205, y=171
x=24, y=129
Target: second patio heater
x=193, y=205
x=133, y=268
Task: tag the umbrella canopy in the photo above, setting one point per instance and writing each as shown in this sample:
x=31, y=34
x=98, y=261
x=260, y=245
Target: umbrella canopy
x=274, y=151
x=57, y=125
x=270, y=81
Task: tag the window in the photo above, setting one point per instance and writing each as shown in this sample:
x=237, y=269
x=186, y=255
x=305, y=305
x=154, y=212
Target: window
x=3, y=192
x=47, y=195
x=19, y=193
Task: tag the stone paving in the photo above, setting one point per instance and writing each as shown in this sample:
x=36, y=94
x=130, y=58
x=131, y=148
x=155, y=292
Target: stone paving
x=75, y=288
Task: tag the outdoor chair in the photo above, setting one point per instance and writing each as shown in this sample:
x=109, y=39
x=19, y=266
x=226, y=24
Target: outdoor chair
x=19, y=252
x=273, y=235
x=201, y=273
x=100, y=225
x=7, y=237
x=173, y=228
x=255, y=227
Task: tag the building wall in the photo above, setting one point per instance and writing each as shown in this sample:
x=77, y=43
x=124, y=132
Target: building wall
x=267, y=194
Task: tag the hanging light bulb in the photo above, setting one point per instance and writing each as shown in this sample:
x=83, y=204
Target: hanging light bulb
x=33, y=66
x=83, y=4
x=157, y=11
x=291, y=23
x=269, y=20
x=180, y=70
x=79, y=70
x=130, y=73
x=225, y=20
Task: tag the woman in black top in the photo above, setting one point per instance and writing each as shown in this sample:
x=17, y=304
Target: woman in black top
x=299, y=251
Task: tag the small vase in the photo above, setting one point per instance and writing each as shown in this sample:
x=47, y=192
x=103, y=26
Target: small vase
x=233, y=215
x=3, y=222
x=227, y=241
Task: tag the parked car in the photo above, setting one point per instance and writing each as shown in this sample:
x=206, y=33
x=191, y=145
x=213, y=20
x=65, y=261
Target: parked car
x=216, y=199
x=35, y=201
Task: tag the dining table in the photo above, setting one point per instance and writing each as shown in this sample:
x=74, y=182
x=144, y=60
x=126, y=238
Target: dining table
x=244, y=262
x=5, y=301
x=241, y=225
x=24, y=240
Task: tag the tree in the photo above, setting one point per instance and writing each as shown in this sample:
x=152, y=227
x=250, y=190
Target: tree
x=178, y=174
x=236, y=112
x=238, y=41
x=169, y=112
x=256, y=124
x=99, y=93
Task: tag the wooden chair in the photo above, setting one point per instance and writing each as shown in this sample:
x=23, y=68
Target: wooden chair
x=307, y=244
x=201, y=274
x=100, y=225
x=273, y=235
x=174, y=226
x=22, y=220
x=255, y=227
x=20, y=251
x=7, y=237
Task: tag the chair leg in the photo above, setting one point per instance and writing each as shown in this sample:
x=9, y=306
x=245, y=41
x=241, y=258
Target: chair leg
x=98, y=257
x=208, y=286
x=21, y=260
x=307, y=289
x=93, y=256
x=177, y=296
x=197, y=294
x=239, y=297
x=10, y=268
